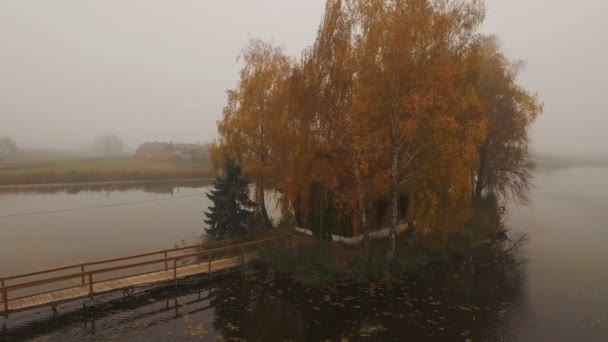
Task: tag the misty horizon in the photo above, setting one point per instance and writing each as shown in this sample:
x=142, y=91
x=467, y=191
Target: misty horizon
x=156, y=71
x=286, y=170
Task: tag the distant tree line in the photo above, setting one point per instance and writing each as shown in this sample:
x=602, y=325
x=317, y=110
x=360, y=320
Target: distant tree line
x=8, y=147
x=108, y=145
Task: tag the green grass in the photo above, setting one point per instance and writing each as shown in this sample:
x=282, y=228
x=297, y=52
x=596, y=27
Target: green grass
x=320, y=263
x=100, y=170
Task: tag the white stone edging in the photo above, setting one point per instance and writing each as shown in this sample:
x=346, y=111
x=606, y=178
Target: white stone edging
x=356, y=240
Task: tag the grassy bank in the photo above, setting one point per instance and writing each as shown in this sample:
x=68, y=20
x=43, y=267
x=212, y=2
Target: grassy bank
x=100, y=170
x=323, y=263
x=317, y=262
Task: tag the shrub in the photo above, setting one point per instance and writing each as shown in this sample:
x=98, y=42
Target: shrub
x=312, y=265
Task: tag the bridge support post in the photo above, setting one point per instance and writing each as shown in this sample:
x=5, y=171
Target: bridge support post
x=176, y=307
x=128, y=292
x=209, y=257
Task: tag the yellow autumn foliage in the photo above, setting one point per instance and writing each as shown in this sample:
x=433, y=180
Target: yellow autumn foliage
x=400, y=104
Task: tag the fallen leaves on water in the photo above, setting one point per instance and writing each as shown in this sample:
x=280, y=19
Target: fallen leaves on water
x=232, y=327
x=195, y=330
x=369, y=330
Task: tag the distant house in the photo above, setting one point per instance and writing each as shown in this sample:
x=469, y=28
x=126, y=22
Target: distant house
x=170, y=151
x=190, y=152
x=155, y=151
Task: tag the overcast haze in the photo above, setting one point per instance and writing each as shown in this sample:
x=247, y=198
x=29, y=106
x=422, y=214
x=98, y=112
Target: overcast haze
x=158, y=70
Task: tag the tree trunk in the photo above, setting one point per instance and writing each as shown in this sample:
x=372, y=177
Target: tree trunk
x=363, y=216
x=322, y=219
x=392, y=236
x=482, y=172
x=367, y=245
x=266, y=223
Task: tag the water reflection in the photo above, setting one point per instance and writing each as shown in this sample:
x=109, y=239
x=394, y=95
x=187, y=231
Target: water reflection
x=480, y=298
x=477, y=298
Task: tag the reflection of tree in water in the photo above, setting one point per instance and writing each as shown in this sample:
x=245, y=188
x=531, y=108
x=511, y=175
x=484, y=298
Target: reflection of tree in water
x=252, y=310
x=477, y=298
x=480, y=297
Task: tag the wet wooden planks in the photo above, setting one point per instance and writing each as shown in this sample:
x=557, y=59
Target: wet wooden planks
x=82, y=291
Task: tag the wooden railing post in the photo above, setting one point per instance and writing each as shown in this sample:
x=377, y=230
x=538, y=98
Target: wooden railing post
x=175, y=271
x=83, y=275
x=209, y=257
x=166, y=262
x=91, y=285
x=4, y=299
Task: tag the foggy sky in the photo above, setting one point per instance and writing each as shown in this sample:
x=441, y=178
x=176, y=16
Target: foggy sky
x=158, y=70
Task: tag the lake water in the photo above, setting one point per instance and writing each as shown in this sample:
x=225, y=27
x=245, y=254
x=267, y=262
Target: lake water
x=566, y=277
x=560, y=292
x=169, y=215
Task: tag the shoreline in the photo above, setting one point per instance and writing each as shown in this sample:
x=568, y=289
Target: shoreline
x=123, y=182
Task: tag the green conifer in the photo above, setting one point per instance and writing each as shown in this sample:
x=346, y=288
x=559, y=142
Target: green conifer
x=231, y=210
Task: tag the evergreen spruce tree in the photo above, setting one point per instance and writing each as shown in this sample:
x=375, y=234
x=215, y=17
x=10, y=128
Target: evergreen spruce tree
x=231, y=210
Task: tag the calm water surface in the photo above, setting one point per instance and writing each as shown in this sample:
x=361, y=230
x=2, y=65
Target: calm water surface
x=36, y=242
x=560, y=292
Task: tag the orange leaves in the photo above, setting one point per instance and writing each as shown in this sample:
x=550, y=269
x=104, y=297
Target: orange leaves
x=255, y=169
x=392, y=98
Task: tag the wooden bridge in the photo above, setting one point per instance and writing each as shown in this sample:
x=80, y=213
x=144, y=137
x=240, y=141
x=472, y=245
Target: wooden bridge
x=87, y=280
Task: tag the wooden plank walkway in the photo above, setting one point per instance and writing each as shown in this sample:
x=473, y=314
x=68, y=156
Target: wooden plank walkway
x=244, y=253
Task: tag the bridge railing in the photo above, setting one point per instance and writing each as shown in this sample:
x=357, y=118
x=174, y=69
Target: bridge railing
x=87, y=277
x=5, y=280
